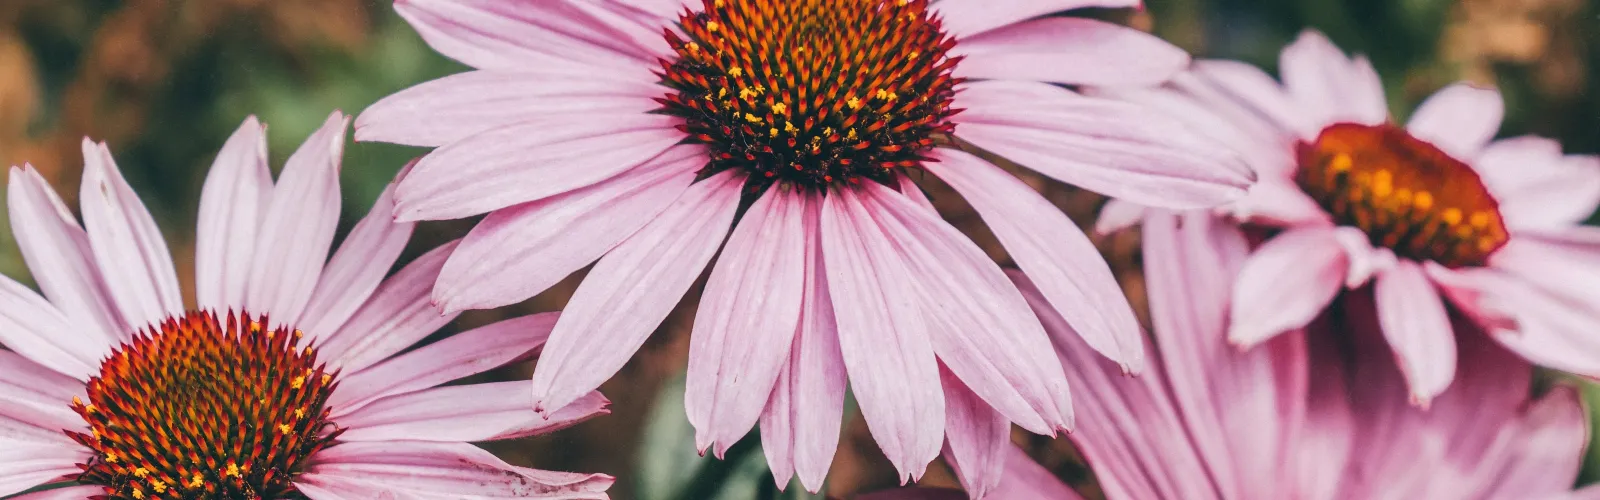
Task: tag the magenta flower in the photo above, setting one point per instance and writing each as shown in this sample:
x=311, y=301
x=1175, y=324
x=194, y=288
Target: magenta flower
x=1429, y=210
x=636, y=132
x=295, y=386
x=1318, y=414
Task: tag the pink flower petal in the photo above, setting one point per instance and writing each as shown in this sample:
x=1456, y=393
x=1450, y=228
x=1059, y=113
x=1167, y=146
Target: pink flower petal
x=539, y=243
x=1117, y=215
x=1053, y=251
x=464, y=413
x=1459, y=119
x=1115, y=148
x=1285, y=283
x=747, y=319
x=532, y=160
x=1128, y=430
x=1324, y=436
x=977, y=437
x=128, y=248
x=1365, y=259
x=1280, y=203
x=26, y=465
x=800, y=427
x=978, y=323
x=1545, y=329
x=35, y=329
x=433, y=470
x=1027, y=479
x=631, y=290
x=1330, y=86
x=57, y=252
x=462, y=105
x=297, y=229
x=1069, y=50
x=233, y=204
x=1536, y=185
x=1240, y=407
x=67, y=493
x=1260, y=92
x=493, y=34
x=38, y=396
x=883, y=335
x=965, y=18
x=357, y=267
x=461, y=355
x=398, y=315
x=1547, y=450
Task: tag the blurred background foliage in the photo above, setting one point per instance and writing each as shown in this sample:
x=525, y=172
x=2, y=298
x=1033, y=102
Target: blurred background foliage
x=166, y=81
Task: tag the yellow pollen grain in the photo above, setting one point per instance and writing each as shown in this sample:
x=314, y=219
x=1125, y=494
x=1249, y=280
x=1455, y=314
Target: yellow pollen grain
x=196, y=481
x=720, y=4
x=694, y=47
x=90, y=409
x=722, y=93
x=270, y=333
x=138, y=493
x=852, y=134
x=774, y=133
x=76, y=401
x=326, y=378
x=111, y=458
x=308, y=351
x=298, y=382
x=854, y=103
x=780, y=108
x=233, y=470
x=299, y=413
x=1340, y=163
x=156, y=484
x=141, y=472
x=284, y=428
x=299, y=334
x=1382, y=183
x=1451, y=216
x=1479, y=219
x=736, y=72
x=752, y=118
x=1486, y=244
x=712, y=26
x=789, y=127
x=1423, y=200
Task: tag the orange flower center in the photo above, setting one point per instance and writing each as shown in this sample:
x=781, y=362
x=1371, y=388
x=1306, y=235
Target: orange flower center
x=812, y=92
x=1406, y=194
x=196, y=408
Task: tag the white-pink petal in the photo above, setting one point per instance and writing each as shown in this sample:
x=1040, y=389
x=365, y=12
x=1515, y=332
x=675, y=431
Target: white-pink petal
x=297, y=228
x=35, y=329
x=1053, y=251
x=965, y=18
x=1330, y=86
x=357, y=267
x=1286, y=283
x=747, y=319
x=233, y=204
x=554, y=154
x=450, y=470
x=38, y=396
x=128, y=247
x=57, y=252
x=1418, y=329
x=25, y=465
x=464, y=413
x=541, y=242
x=398, y=315
x=883, y=335
x=1459, y=119
x=976, y=437
x=632, y=289
x=1069, y=50
x=493, y=34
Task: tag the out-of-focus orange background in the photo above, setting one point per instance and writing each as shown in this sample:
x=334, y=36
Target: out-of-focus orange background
x=165, y=81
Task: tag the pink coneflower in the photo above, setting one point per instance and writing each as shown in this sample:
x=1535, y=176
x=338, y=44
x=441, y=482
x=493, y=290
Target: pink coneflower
x=1430, y=209
x=636, y=132
x=293, y=388
x=1316, y=416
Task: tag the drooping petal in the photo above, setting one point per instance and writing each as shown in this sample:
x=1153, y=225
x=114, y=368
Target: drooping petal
x=965, y=18
x=747, y=319
x=537, y=244
x=23, y=466
x=554, y=154
x=459, y=106
x=1418, y=328
x=1027, y=479
x=1459, y=119
x=492, y=34
x=464, y=354
x=432, y=470
x=1330, y=86
x=297, y=230
x=357, y=267
x=800, y=427
x=37, y=395
x=980, y=326
x=57, y=252
x=631, y=290
x=1053, y=251
x=1069, y=50
x=1128, y=430
x=128, y=247
x=1115, y=148
x=35, y=329
x=398, y=315
x=976, y=437
x=1285, y=283
x=1241, y=407
x=883, y=335
x=464, y=413
x=232, y=205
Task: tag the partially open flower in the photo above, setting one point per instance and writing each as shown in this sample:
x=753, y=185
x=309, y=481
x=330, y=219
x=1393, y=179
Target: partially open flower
x=287, y=382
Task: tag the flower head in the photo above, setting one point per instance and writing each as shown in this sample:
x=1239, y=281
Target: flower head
x=635, y=132
x=1435, y=215
x=287, y=382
